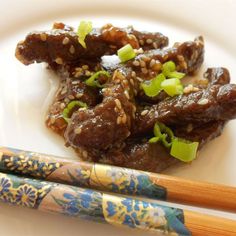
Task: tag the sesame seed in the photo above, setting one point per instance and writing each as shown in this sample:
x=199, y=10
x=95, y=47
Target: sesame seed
x=72, y=49
x=149, y=41
x=85, y=67
x=75, y=82
x=43, y=37
x=155, y=45
x=132, y=81
x=87, y=73
x=203, y=101
x=188, y=89
x=59, y=61
x=62, y=105
x=144, y=112
x=82, y=109
x=141, y=42
x=66, y=100
x=124, y=119
x=136, y=63
x=152, y=63
x=64, y=90
x=133, y=74
x=139, y=79
x=127, y=94
x=142, y=63
x=79, y=95
x=71, y=97
x=78, y=130
x=144, y=70
x=118, y=104
x=134, y=108
x=118, y=121
x=195, y=89
x=65, y=41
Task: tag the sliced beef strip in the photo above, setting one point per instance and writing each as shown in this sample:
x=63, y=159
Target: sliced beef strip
x=69, y=90
x=108, y=124
x=217, y=102
x=60, y=45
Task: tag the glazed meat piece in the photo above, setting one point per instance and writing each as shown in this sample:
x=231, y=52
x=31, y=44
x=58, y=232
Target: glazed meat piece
x=200, y=133
x=61, y=46
x=69, y=90
x=214, y=103
x=139, y=154
x=217, y=75
x=188, y=57
x=106, y=125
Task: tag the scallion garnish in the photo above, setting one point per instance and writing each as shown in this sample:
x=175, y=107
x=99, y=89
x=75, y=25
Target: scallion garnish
x=126, y=53
x=168, y=67
x=172, y=86
x=176, y=74
x=168, y=80
x=70, y=106
x=184, y=150
x=85, y=27
x=162, y=134
x=93, y=80
x=181, y=149
x=153, y=87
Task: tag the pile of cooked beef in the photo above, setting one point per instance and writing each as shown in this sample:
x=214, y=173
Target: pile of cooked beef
x=119, y=120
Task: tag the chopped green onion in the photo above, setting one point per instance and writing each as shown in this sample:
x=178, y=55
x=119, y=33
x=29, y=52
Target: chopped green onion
x=175, y=74
x=163, y=134
x=184, y=150
x=93, y=80
x=70, y=106
x=181, y=149
x=154, y=140
x=154, y=87
x=172, y=86
x=168, y=67
x=126, y=53
x=85, y=27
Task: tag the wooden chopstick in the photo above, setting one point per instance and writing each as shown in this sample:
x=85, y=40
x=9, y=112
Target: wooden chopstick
x=97, y=206
x=205, y=225
x=116, y=179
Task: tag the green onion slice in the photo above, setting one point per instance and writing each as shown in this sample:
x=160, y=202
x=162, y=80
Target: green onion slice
x=153, y=88
x=85, y=27
x=184, y=150
x=168, y=67
x=126, y=53
x=163, y=134
x=176, y=74
x=93, y=80
x=70, y=106
x=172, y=86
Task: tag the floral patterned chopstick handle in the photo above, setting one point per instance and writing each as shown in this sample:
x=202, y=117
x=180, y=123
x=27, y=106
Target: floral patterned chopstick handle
x=82, y=174
x=91, y=205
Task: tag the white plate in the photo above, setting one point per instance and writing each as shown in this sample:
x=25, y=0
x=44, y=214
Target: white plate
x=24, y=91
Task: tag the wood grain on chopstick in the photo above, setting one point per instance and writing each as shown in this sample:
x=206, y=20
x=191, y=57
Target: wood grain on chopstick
x=119, y=180
x=201, y=224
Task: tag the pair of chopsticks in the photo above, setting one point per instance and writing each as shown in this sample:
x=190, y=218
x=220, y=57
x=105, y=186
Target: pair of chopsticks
x=73, y=188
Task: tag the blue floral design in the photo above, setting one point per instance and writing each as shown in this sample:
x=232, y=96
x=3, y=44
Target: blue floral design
x=131, y=220
x=71, y=207
x=86, y=198
x=111, y=208
x=26, y=195
x=5, y=185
